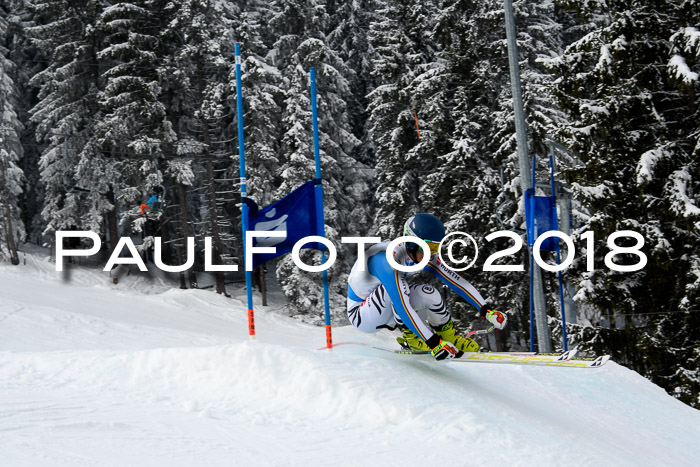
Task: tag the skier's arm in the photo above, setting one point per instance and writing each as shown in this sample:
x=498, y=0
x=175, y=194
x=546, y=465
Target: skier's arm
x=456, y=282
x=398, y=290
x=467, y=291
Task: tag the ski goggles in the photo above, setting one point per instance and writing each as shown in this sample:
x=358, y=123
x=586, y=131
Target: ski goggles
x=433, y=246
x=413, y=247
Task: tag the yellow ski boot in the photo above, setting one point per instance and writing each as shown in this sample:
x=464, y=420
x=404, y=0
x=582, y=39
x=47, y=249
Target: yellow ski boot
x=410, y=341
x=447, y=333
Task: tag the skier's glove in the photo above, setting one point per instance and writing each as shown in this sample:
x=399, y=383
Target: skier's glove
x=445, y=350
x=495, y=317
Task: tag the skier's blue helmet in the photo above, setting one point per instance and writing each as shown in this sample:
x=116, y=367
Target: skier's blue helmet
x=426, y=227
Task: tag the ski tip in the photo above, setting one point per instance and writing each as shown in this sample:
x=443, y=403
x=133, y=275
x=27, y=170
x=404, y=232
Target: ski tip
x=600, y=361
x=568, y=355
x=593, y=362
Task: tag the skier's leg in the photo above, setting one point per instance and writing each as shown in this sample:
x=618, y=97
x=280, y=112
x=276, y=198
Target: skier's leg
x=430, y=306
x=375, y=313
x=426, y=300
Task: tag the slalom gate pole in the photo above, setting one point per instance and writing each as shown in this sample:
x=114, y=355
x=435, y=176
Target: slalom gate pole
x=318, y=199
x=244, y=195
x=558, y=250
x=532, y=306
x=532, y=272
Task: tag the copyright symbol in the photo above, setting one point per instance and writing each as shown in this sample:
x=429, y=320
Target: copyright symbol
x=460, y=241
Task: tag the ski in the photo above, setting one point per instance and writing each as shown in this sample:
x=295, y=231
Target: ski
x=364, y=344
x=559, y=356
x=564, y=359
x=148, y=217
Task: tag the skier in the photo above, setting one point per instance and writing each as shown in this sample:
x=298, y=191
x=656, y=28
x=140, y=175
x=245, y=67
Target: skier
x=151, y=201
x=380, y=297
x=148, y=205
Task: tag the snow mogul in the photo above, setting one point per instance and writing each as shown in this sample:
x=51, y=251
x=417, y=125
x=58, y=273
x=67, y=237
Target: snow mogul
x=381, y=298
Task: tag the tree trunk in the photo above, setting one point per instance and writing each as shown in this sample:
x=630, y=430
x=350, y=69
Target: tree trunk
x=217, y=245
x=691, y=99
x=263, y=286
x=259, y=275
x=183, y=281
x=11, y=245
x=185, y=226
x=167, y=250
x=112, y=224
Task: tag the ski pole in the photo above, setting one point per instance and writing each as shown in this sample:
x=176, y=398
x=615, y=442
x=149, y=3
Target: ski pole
x=480, y=331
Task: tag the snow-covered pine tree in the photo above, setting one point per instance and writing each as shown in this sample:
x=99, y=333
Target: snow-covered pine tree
x=203, y=50
x=11, y=175
x=24, y=56
x=458, y=99
x=301, y=27
x=132, y=128
x=263, y=97
x=178, y=165
x=72, y=165
x=629, y=88
x=671, y=354
x=540, y=37
x=402, y=47
x=348, y=36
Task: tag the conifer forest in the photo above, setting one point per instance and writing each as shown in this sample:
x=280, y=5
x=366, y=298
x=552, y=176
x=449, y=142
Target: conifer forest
x=106, y=103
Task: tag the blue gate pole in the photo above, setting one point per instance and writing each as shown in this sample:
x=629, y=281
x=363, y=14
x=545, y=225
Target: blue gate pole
x=532, y=306
x=318, y=198
x=558, y=250
x=244, y=195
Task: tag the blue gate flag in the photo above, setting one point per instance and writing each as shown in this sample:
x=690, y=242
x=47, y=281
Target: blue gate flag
x=295, y=214
x=540, y=215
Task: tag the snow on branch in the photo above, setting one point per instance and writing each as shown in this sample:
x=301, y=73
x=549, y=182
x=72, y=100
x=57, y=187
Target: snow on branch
x=605, y=59
x=690, y=38
x=181, y=171
x=678, y=67
x=647, y=163
x=682, y=204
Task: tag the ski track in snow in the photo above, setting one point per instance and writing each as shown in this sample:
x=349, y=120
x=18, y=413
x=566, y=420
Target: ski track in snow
x=93, y=374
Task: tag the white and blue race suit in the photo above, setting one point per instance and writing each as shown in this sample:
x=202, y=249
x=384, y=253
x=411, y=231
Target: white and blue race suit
x=380, y=296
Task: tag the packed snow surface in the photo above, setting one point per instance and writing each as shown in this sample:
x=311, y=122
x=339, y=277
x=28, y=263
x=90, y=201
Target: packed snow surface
x=142, y=374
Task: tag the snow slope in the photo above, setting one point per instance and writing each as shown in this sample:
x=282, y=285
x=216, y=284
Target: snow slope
x=139, y=374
